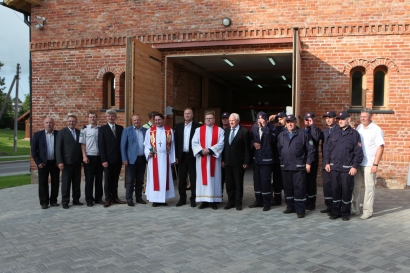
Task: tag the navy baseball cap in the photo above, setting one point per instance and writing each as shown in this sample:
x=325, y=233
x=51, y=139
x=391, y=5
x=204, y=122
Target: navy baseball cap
x=281, y=115
x=343, y=115
x=309, y=115
x=290, y=118
x=329, y=114
x=262, y=115
x=225, y=115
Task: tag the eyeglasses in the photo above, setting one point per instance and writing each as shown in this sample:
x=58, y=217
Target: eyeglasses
x=209, y=118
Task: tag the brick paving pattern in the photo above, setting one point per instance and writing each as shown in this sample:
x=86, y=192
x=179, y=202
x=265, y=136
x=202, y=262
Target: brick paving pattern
x=185, y=239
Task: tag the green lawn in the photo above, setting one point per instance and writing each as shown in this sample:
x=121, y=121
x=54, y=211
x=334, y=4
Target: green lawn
x=7, y=143
x=14, y=181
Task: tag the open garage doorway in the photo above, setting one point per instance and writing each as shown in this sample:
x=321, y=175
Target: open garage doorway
x=242, y=83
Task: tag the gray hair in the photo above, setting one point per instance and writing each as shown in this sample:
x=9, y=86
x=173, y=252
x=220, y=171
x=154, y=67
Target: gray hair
x=111, y=112
x=367, y=110
x=236, y=116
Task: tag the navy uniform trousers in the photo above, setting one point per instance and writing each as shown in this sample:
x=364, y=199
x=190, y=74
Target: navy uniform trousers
x=261, y=183
x=327, y=189
x=294, y=186
x=342, y=189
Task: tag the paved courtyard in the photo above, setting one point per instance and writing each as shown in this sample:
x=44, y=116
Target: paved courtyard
x=185, y=239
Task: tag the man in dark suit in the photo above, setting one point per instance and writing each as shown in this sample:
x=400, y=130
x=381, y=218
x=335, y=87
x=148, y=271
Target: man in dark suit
x=109, y=141
x=133, y=157
x=69, y=157
x=236, y=157
x=43, y=152
x=184, y=156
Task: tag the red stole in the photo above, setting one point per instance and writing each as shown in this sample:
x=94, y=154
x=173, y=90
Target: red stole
x=204, y=159
x=153, y=138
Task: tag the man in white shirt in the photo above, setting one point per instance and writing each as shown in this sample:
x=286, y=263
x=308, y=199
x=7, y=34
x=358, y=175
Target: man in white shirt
x=373, y=146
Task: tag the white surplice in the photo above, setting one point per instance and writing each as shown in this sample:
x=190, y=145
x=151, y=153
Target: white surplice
x=161, y=149
x=213, y=191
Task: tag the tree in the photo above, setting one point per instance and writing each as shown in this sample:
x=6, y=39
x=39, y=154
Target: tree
x=26, y=105
x=7, y=117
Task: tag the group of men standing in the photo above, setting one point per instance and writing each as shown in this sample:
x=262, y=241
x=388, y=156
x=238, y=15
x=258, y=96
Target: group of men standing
x=210, y=155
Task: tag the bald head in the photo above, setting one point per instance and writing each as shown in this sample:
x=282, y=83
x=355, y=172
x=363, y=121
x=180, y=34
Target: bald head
x=49, y=124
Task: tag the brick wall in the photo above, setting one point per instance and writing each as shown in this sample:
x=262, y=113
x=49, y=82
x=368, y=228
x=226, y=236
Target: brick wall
x=80, y=42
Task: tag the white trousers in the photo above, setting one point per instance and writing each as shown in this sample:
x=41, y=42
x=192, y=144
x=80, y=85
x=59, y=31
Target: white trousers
x=363, y=173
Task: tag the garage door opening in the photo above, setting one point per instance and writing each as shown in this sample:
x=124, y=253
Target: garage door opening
x=242, y=83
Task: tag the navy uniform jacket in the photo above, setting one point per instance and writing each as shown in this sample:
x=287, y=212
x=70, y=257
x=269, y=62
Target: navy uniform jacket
x=276, y=131
x=316, y=135
x=325, y=142
x=265, y=154
x=295, y=153
x=344, y=150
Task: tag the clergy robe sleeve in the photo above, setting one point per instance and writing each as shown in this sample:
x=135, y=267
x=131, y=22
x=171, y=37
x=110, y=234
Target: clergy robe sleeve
x=147, y=144
x=196, y=146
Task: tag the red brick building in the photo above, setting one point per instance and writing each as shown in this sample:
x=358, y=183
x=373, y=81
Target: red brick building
x=138, y=56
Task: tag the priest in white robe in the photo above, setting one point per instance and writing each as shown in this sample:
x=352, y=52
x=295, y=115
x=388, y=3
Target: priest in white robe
x=207, y=146
x=160, y=153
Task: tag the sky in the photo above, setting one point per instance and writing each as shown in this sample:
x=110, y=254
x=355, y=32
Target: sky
x=14, y=48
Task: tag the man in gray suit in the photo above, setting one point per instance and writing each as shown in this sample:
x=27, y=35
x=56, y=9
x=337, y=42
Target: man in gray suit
x=68, y=154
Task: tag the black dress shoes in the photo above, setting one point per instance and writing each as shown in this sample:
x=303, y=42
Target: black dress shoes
x=90, y=204
x=255, y=205
x=327, y=210
x=346, y=218
x=203, y=205
x=118, y=201
x=159, y=204
x=229, y=206
x=141, y=201
x=193, y=203
x=309, y=208
x=239, y=207
x=44, y=206
x=301, y=215
x=214, y=206
x=266, y=208
x=54, y=204
x=99, y=202
x=334, y=217
x=65, y=206
x=288, y=210
x=77, y=203
x=130, y=203
x=107, y=203
x=181, y=203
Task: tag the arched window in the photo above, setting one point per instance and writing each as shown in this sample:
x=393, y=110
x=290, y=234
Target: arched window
x=380, y=82
x=109, y=84
x=357, y=87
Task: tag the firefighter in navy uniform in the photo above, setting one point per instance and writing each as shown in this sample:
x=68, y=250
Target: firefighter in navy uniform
x=343, y=156
x=316, y=135
x=279, y=122
x=327, y=184
x=262, y=140
x=296, y=151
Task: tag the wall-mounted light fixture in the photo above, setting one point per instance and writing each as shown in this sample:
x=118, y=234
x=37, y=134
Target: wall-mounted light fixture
x=249, y=78
x=290, y=86
x=40, y=22
x=228, y=62
x=226, y=21
x=283, y=77
x=260, y=86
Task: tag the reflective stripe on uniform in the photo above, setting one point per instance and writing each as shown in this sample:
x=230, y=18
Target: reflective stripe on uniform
x=311, y=196
x=346, y=202
x=265, y=193
x=300, y=199
x=266, y=159
x=298, y=166
x=291, y=197
x=336, y=201
x=346, y=167
x=329, y=198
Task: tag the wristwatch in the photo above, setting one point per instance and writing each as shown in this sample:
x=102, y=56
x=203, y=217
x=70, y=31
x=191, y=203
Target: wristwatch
x=374, y=164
